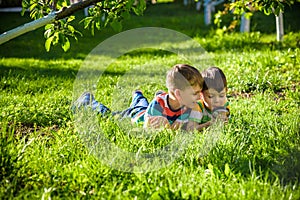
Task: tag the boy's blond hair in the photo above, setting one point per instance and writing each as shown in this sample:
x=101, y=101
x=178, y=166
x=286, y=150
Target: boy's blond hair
x=182, y=76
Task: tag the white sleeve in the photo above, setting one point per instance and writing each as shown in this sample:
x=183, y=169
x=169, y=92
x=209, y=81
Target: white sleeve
x=196, y=116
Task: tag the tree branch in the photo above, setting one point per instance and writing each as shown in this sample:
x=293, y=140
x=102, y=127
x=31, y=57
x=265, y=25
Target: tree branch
x=50, y=18
x=67, y=11
x=6, y=36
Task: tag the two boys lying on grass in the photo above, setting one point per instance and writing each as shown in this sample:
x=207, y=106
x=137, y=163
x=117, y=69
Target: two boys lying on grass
x=194, y=101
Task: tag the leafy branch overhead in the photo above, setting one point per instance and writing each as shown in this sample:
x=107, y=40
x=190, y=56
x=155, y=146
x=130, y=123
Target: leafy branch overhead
x=101, y=13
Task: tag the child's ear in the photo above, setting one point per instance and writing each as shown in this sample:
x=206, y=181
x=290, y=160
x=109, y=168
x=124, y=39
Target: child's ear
x=201, y=95
x=177, y=94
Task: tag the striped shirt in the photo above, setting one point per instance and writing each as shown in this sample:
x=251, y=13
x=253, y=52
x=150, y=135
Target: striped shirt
x=160, y=107
x=201, y=114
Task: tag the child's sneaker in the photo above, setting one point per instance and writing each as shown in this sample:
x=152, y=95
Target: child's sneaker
x=99, y=107
x=84, y=100
x=87, y=99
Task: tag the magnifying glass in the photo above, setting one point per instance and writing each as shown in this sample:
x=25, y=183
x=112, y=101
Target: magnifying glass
x=220, y=112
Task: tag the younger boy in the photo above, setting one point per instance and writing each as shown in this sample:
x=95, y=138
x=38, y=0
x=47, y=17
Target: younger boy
x=214, y=104
x=214, y=94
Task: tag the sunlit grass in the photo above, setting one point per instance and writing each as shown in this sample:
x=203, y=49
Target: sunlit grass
x=257, y=155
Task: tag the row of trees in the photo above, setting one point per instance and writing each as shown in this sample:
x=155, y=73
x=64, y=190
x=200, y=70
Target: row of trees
x=57, y=15
x=242, y=11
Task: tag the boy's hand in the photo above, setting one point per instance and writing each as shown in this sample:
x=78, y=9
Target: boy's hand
x=158, y=122
x=191, y=126
x=200, y=127
x=222, y=116
x=176, y=125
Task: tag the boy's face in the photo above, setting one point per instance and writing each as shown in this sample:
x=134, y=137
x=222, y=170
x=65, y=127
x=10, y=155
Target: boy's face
x=190, y=96
x=213, y=99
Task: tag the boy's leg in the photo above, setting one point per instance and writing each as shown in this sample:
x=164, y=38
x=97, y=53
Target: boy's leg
x=138, y=100
x=87, y=100
x=138, y=106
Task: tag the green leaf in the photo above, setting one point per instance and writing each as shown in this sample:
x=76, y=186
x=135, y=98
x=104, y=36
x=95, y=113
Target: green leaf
x=66, y=45
x=267, y=11
x=129, y=4
x=248, y=15
x=98, y=23
x=78, y=32
x=55, y=38
x=25, y=5
x=277, y=11
x=237, y=11
x=33, y=6
x=220, y=32
x=49, y=26
x=48, y=43
x=87, y=21
x=93, y=28
x=48, y=33
x=70, y=18
x=33, y=14
x=71, y=28
x=64, y=4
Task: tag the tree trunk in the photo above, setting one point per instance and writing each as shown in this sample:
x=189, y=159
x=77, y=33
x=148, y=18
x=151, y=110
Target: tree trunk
x=207, y=12
x=245, y=24
x=279, y=27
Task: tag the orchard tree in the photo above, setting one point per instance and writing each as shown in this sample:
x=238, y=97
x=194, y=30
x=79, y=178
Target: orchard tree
x=246, y=8
x=57, y=16
x=266, y=6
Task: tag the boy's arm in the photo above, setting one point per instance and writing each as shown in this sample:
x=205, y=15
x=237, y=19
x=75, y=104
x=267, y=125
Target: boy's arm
x=156, y=122
x=154, y=117
x=200, y=127
x=160, y=121
x=195, y=121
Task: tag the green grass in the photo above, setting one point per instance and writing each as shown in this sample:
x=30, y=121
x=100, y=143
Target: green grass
x=256, y=157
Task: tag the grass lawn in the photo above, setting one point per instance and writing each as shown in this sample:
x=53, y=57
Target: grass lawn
x=255, y=156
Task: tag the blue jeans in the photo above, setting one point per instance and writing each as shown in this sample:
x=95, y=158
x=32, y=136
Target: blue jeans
x=136, y=109
x=138, y=106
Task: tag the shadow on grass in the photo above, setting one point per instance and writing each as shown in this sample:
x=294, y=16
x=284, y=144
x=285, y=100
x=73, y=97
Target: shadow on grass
x=35, y=73
x=31, y=72
x=287, y=172
x=288, y=169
